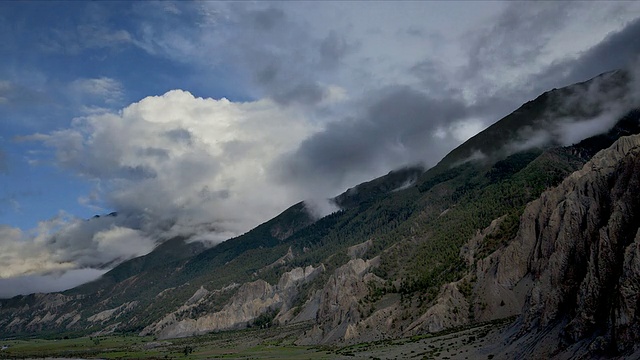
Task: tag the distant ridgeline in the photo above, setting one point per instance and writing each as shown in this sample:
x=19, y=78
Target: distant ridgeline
x=411, y=252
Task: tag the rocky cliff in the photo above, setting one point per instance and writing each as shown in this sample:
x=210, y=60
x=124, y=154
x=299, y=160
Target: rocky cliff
x=581, y=242
x=337, y=305
x=250, y=301
x=572, y=270
x=409, y=253
x=571, y=274
x=576, y=258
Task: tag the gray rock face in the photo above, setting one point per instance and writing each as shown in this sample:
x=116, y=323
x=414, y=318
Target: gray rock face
x=338, y=311
x=583, y=241
x=450, y=309
x=44, y=310
x=112, y=313
x=573, y=261
x=249, y=302
x=578, y=247
x=494, y=288
x=573, y=270
x=572, y=273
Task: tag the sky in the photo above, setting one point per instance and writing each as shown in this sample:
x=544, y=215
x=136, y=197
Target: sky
x=205, y=119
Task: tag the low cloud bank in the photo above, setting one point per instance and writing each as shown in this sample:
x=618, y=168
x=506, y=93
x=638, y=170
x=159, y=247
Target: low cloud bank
x=590, y=110
x=24, y=285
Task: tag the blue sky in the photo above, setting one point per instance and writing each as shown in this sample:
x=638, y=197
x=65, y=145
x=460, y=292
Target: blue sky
x=49, y=46
x=206, y=118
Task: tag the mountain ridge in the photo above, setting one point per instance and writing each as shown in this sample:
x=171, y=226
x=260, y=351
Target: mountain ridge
x=407, y=253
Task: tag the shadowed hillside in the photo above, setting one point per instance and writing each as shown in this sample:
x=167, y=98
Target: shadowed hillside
x=406, y=254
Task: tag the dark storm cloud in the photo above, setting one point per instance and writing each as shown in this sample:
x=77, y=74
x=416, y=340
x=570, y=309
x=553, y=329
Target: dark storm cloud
x=332, y=48
x=619, y=50
x=307, y=93
x=395, y=129
x=284, y=59
x=431, y=74
x=519, y=34
x=29, y=284
x=616, y=51
x=398, y=127
x=517, y=37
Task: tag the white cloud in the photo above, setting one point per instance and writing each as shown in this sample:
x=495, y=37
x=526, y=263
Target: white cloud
x=463, y=130
x=190, y=164
x=531, y=140
x=171, y=164
x=319, y=208
x=587, y=111
x=20, y=255
x=28, y=284
x=64, y=243
x=103, y=90
x=122, y=243
x=177, y=164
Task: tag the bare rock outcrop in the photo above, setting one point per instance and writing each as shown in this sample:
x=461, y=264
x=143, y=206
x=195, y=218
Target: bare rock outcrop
x=39, y=311
x=338, y=306
x=110, y=314
x=201, y=293
x=250, y=300
x=357, y=251
x=572, y=272
x=451, y=309
x=583, y=258
x=578, y=246
x=500, y=281
x=482, y=295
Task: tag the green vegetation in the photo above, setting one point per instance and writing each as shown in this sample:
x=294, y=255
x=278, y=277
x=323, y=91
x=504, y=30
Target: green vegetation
x=241, y=344
x=265, y=320
x=506, y=231
x=417, y=221
x=236, y=344
x=84, y=347
x=478, y=200
x=426, y=227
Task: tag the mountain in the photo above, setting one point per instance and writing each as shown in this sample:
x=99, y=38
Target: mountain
x=585, y=100
x=545, y=231
x=571, y=272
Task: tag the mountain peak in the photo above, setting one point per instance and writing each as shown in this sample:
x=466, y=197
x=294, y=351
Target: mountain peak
x=538, y=123
x=529, y=231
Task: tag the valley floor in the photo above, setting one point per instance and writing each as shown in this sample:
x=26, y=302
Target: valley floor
x=273, y=343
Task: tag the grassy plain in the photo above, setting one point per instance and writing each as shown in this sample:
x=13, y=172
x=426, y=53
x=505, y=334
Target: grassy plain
x=273, y=343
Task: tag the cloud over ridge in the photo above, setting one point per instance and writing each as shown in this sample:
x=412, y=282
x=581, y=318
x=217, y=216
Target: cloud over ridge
x=257, y=106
